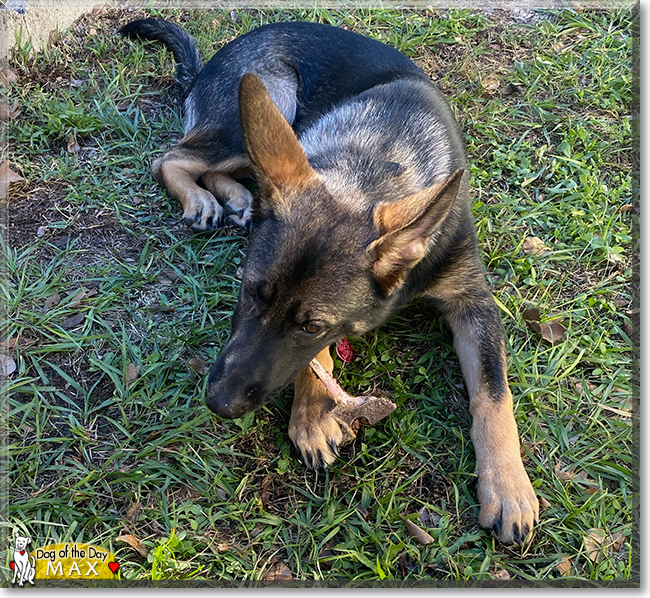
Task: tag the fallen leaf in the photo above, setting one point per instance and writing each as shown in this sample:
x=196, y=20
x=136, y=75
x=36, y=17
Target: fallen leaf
x=8, y=76
x=9, y=112
x=490, y=84
x=417, y=532
x=625, y=208
x=162, y=308
x=265, y=490
x=544, y=502
x=7, y=176
x=552, y=331
x=199, y=366
x=20, y=341
x=594, y=540
x=132, y=372
x=72, y=146
x=564, y=566
x=134, y=512
x=134, y=543
x=73, y=321
x=77, y=298
x=500, y=574
x=363, y=511
x=534, y=246
x=277, y=572
x=618, y=538
x=62, y=241
x=7, y=365
x=223, y=547
x=52, y=301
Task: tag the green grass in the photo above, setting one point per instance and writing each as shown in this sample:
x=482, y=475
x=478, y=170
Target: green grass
x=552, y=156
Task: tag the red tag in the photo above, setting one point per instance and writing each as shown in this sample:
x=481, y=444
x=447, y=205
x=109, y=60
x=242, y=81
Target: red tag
x=344, y=350
x=12, y=565
x=22, y=552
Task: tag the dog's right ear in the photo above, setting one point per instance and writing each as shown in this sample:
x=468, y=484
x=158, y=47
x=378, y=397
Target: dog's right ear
x=405, y=228
x=278, y=158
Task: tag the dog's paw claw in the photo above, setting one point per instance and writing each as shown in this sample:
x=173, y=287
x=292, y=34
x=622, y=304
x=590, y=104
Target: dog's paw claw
x=509, y=507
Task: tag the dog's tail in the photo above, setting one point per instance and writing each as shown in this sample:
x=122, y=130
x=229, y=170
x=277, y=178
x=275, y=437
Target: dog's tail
x=182, y=45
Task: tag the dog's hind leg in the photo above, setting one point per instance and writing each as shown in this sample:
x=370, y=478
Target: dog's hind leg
x=314, y=431
x=508, y=503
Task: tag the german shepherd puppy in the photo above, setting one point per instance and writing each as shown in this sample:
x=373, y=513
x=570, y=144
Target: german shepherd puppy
x=362, y=205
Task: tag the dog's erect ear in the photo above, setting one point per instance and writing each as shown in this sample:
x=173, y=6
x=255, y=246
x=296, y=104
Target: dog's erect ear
x=405, y=228
x=278, y=158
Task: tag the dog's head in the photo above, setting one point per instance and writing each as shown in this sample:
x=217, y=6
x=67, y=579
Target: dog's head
x=318, y=268
x=21, y=541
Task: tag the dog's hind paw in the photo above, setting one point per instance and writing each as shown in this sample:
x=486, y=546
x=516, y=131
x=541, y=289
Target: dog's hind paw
x=509, y=507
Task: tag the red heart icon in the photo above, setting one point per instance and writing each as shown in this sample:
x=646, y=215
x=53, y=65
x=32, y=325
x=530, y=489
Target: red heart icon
x=113, y=566
x=12, y=565
x=22, y=552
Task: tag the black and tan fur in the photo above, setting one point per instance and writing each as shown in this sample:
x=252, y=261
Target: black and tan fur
x=362, y=207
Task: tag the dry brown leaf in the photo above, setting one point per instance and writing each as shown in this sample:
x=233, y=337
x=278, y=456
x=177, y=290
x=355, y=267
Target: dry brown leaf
x=7, y=176
x=618, y=538
x=594, y=540
x=52, y=301
x=134, y=543
x=77, y=298
x=7, y=365
x=17, y=341
x=8, y=76
x=134, y=512
x=9, y=112
x=199, y=366
x=277, y=572
x=363, y=511
x=534, y=246
x=500, y=574
x=564, y=566
x=417, y=532
x=73, y=321
x=552, y=331
x=490, y=84
x=162, y=308
x=72, y=145
x=223, y=547
x=132, y=372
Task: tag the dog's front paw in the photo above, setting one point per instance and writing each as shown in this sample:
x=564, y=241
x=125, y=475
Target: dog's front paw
x=318, y=440
x=202, y=211
x=509, y=507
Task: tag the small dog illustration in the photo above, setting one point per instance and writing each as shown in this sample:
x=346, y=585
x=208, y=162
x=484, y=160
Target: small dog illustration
x=24, y=568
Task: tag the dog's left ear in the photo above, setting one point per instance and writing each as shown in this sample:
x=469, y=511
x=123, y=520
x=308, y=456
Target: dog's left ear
x=278, y=158
x=405, y=228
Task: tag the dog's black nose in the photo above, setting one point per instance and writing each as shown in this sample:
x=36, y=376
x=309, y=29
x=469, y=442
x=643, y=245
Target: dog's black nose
x=225, y=406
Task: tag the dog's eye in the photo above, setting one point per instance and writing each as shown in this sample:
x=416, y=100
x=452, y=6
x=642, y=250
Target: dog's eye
x=251, y=291
x=312, y=328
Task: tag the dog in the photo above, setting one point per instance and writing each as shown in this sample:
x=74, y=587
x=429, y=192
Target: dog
x=24, y=565
x=362, y=205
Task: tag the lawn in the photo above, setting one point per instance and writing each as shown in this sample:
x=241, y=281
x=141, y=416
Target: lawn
x=112, y=309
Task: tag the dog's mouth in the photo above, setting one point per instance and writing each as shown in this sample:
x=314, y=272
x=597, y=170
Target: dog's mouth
x=229, y=407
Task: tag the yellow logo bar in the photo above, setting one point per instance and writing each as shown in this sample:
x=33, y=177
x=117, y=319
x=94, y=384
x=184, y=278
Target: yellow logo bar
x=74, y=561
